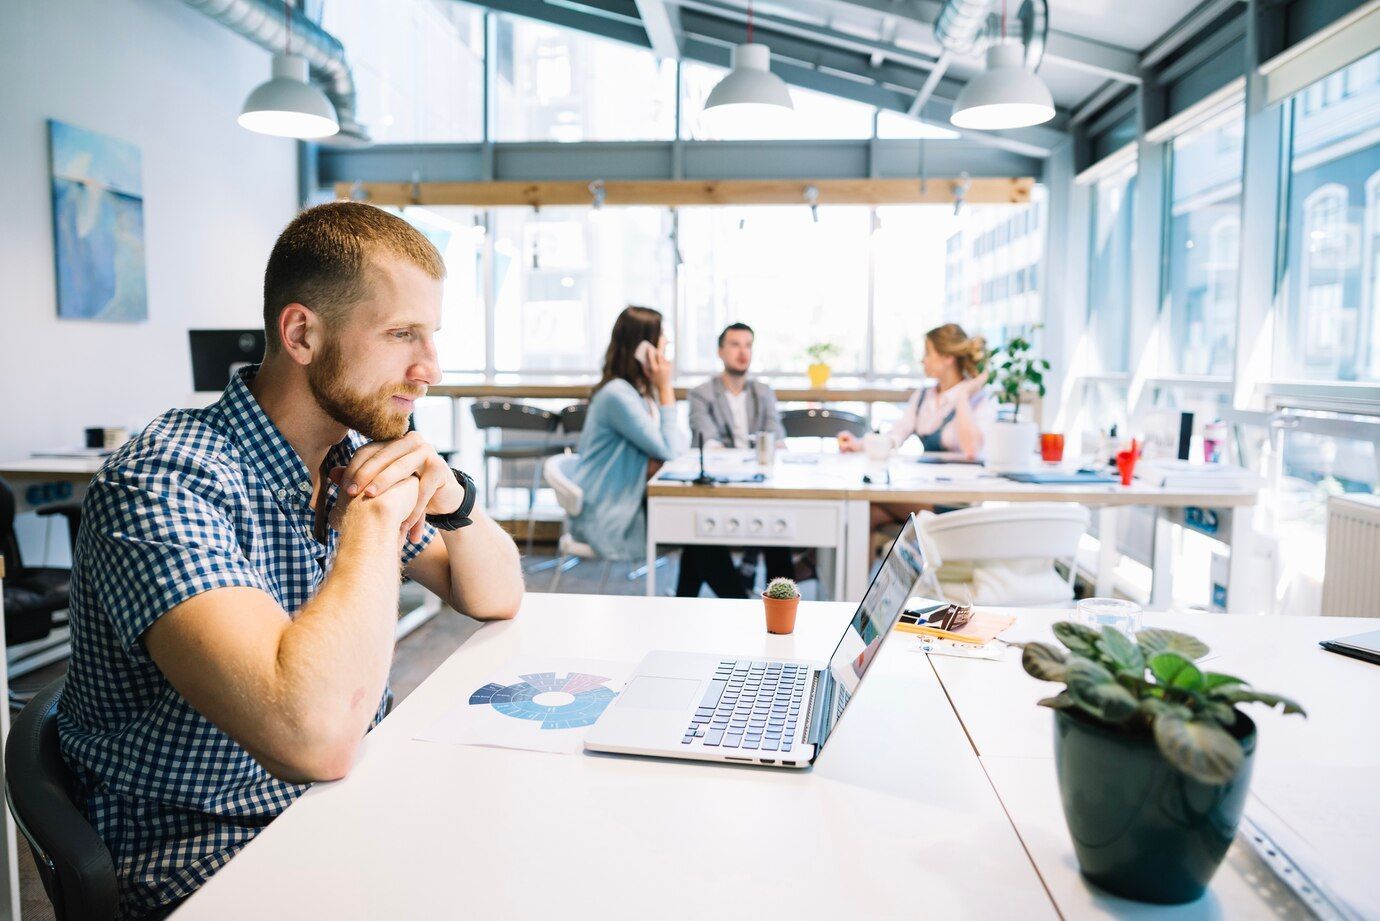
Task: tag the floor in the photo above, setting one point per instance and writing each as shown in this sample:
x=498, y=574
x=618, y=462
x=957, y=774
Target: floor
x=416, y=657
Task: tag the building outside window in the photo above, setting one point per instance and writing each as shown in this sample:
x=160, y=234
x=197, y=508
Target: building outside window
x=1109, y=270
x=1330, y=329
x=1202, y=245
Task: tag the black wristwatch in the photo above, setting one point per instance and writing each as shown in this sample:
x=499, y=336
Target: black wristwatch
x=460, y=517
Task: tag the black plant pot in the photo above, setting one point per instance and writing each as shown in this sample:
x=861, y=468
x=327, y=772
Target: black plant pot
x=1141, y=829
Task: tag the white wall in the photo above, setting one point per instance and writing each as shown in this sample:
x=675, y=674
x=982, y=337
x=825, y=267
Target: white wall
x=170, y=80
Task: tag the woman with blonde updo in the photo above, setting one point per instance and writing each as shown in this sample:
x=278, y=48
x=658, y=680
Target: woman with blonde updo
x=949, y=416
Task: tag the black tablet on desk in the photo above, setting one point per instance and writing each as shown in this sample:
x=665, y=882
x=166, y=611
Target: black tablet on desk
x=1361, y=646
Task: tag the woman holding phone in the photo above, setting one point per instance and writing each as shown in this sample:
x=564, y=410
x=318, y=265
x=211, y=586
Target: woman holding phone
x=629, y=432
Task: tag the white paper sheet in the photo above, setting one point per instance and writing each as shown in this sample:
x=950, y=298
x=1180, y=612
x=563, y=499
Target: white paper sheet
x=534, y=703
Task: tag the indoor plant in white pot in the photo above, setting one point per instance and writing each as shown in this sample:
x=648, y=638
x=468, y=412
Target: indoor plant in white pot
x=1015, y=373
x=1153, y=756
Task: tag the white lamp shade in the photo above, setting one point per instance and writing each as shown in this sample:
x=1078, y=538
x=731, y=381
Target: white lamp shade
x=1005, y=95
x=750, y=100
x=288, y=105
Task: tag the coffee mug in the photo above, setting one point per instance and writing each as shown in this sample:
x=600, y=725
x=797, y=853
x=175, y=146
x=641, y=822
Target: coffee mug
x=877, y=446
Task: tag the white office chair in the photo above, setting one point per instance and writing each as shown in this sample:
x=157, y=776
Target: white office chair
x=559, y=471
x=1011, y=550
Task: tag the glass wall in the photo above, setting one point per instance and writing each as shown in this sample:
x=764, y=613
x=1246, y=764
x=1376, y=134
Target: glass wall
x=459, y=234
x=561, y=276
x=1332, y=246
x=795, y=280
x=1202, y=241
x=418, y=67
x=555, y=84
x=1109, y=270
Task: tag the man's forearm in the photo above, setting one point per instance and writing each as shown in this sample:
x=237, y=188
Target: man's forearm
x=333, y=660
x=485, y=570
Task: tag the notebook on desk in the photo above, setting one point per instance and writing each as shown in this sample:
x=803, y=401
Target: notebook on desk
x=1364, y=646
x=1054, y=477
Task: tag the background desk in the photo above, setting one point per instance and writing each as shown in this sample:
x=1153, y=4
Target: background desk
x=826, y=504
x=69, y=474
x=424, y=830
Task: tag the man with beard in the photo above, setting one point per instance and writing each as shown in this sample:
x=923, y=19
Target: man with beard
x=235, y=583
x=724, y=411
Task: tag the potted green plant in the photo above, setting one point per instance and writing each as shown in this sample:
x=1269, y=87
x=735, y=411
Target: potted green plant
x=819, y=369
x=781, y=600
x=1153, y=757
x=1016, y=374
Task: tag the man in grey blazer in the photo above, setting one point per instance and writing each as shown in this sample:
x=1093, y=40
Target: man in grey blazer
x=724, y=412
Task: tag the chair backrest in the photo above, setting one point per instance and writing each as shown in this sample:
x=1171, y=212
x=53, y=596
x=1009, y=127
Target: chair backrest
x=73, y=861
x=505, y=414
x=9, y=542
x=560, y=475
x=1022, y=530
x=573, y=417
x=821, y=423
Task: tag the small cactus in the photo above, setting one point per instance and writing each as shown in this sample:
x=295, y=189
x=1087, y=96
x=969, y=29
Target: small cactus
x=782, y=588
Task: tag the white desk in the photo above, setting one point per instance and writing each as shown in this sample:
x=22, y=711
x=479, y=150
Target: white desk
x=826, y=504
x=423, y=830
x=65, y=477
x=1315, y=779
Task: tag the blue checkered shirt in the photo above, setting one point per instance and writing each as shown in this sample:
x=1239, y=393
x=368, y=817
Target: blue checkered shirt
x=202, y=499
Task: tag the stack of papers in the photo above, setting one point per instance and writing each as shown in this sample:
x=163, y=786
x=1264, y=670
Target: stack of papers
x=1181, y=474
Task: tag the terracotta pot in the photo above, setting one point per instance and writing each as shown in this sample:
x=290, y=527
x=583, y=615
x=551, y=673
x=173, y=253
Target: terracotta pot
x=780, y=613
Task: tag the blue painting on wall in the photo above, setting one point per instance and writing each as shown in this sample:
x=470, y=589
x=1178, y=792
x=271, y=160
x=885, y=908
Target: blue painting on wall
x=98, y=225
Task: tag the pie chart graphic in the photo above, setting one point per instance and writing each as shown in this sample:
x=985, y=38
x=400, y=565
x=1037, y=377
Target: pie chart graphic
x=557, y=701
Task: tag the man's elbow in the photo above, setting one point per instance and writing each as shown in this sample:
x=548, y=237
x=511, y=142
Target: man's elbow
x=312, y=762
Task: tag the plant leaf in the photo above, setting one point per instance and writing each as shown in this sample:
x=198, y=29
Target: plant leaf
x=1216, y=680
x=1043, y=661
x=1094, y=689
x=1124, y=655
x=1222, y=712
x=1060, y=701
x=1151, y=707
x=1174, y=671
x=1078, y=638
x=1249, y=696
x=1202, y=750
x=1153, y=641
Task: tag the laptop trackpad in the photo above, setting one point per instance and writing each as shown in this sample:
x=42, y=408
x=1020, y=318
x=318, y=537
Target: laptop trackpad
x=650, y=693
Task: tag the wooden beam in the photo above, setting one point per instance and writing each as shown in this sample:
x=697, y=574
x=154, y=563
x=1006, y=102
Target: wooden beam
x=672, y=193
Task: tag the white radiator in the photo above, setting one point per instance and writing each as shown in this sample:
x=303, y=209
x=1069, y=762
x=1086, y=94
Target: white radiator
x=1351, y=581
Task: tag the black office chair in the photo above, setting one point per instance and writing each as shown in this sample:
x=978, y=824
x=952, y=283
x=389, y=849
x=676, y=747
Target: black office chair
x=498, y=420
x=73, y=861
x=33, y=594
x=573, y=419
x=822, y=423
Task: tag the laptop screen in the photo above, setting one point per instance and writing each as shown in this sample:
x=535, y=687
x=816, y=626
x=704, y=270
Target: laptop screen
x=885, y=600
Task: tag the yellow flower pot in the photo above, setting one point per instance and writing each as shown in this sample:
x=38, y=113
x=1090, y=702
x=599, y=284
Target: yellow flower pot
x=819, y=374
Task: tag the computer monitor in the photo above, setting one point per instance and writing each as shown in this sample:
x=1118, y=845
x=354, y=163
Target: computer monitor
x=218, y=353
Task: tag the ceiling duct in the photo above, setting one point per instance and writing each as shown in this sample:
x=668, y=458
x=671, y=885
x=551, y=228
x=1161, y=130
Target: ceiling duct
x=966, y=27
x=261, y=21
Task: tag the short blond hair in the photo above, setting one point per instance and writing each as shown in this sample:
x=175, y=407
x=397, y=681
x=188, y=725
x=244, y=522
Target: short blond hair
x=321, y=260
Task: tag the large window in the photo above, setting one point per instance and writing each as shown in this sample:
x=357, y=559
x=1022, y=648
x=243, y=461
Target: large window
x=418, y=67
x=1109, y=269
x=1330, y=330
x=1202, y=245
x=796, y=280
x=459, y=234
x=555, y=84
x=561, y=276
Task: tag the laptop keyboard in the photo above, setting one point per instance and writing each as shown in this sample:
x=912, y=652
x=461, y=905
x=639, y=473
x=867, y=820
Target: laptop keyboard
x=750, y=705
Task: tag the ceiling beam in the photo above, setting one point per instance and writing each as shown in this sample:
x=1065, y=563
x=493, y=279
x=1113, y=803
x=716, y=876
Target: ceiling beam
x=663, y=28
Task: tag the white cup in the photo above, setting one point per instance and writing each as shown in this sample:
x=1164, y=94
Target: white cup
x=877, y=446
x=1109, y=612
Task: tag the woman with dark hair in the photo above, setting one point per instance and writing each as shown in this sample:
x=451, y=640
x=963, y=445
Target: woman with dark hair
x=629, y=432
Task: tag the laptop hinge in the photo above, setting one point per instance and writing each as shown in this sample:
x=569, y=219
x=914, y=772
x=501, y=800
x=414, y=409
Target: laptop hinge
x=821, y=693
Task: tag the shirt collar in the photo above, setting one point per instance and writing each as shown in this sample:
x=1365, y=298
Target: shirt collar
x=262, y=444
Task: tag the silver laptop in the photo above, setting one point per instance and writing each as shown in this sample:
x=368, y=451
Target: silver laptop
x=757, y=711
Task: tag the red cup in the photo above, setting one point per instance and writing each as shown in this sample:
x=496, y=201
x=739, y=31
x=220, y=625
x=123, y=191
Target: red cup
x=1052, y=447
x=1126, y=465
